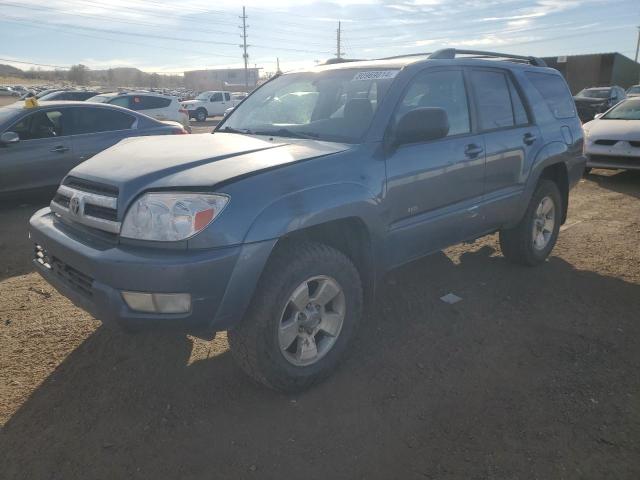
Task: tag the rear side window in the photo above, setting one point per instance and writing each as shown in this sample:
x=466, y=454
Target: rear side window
x=519, y=112
x=555, y=92
x=144, y=102
x=493, y=99
x=227, y=96
x=94, y=120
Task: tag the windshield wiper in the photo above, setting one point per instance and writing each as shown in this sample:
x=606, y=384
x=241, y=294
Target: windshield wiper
x=235, y=130
x=285, y=132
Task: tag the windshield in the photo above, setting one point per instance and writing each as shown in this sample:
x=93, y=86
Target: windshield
x=203, y=96
x=100, y=98
x=629, y=110
x=595, y=93
x=635, y=89
x=334, y=105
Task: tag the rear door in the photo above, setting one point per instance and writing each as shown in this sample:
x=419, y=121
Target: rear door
x=156, y=107
x=96, y=129
x=511, y=141
x=43, y=155
x=434, y=188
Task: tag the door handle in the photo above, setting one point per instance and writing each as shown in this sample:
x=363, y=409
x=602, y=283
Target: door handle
x=59, y=149
x=529, y=138
x=472, y=150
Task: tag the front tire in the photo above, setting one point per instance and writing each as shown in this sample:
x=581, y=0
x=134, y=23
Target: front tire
x=302, y=320
x=201, y=115
x=532, y=240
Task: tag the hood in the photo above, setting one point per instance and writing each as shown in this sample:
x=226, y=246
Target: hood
x=191, y=102
x=613, y=129
x=194, y=161
x=590, y=101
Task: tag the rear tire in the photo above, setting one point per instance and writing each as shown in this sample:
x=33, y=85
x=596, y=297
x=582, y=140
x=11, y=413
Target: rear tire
x=531, y=241
x=259, y=343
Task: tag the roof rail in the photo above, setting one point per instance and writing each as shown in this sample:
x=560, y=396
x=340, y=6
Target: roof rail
x=450, y=53
x=406, y=55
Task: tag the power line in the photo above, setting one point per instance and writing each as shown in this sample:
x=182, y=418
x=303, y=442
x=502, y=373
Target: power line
x=32, y=63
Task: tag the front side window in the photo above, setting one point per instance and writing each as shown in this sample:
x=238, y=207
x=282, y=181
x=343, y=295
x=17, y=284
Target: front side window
x=333, y=105
x=42, y=124
x=440, y=89
x=94, y=120
x=120, y=101
x=216, y=97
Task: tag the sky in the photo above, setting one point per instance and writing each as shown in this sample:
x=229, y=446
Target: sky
x=170, y=37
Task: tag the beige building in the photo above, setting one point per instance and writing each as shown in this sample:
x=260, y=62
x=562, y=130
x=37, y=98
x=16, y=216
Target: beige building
x=231, y=79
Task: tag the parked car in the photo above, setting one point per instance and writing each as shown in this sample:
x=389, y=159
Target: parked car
x=633, y=91
x=612, y=139
x=279, y=232
x=8, y=92
x=77, y=95
x=591, y=101
x=38, y=146
x=209, y=104
x=160, y=107
x=47, y=91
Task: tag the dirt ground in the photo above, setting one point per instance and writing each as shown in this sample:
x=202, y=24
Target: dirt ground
x=534, y=375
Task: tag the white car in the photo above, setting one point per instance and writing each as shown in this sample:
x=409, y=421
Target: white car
x=209, y=104
x=8, y=92
x=160, y=107
x=612, y=139
x=633, y=91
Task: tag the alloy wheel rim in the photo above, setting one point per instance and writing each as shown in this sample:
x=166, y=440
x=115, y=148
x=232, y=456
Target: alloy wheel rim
x=544, y=221
x=311, y=320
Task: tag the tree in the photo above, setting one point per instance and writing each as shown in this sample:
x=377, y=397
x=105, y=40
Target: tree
x=78, y=74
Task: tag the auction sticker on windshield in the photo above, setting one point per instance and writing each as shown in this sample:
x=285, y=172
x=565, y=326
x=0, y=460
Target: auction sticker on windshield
x=376, y=75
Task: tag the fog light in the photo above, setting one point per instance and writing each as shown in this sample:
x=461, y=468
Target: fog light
x=158, y=302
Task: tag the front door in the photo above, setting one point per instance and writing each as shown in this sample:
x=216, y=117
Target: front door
x=217, y=104
x=42, y=157
x=433, y=188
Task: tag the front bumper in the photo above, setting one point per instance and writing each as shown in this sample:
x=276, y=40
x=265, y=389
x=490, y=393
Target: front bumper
x=93, y=272
x=621, y=155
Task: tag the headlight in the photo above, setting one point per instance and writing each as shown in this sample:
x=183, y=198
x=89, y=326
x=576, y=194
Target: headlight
x=169, y=217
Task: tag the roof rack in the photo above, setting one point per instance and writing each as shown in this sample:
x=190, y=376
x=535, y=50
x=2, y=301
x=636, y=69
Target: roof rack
x=450, y=54
x=424, y=54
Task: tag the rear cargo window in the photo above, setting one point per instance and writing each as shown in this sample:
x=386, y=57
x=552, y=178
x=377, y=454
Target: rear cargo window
x=555, y=92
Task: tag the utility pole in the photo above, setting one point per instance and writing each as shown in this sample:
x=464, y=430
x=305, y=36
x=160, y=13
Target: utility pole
x=244, y=46
x=338, y=43
x=638, y=45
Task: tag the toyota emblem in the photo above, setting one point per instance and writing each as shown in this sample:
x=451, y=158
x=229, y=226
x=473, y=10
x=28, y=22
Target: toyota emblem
x=74, y=205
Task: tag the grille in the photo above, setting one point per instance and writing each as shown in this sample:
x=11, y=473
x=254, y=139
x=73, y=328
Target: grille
x=91, y=204
x=72, y=277
x=606, y=142
x=614, y=160
x=91, y=187
x=101, y=212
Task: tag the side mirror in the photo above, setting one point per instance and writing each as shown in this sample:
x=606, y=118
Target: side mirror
x=422, y=125
x=9, y=137
x=597, y=115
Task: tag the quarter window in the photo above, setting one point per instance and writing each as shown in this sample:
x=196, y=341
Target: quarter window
x=555, y=93
x=440, y=89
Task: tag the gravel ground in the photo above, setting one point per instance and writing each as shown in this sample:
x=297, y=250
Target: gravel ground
x=534, y=374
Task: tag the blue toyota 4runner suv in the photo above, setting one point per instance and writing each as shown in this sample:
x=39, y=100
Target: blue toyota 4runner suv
x=279, y=225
